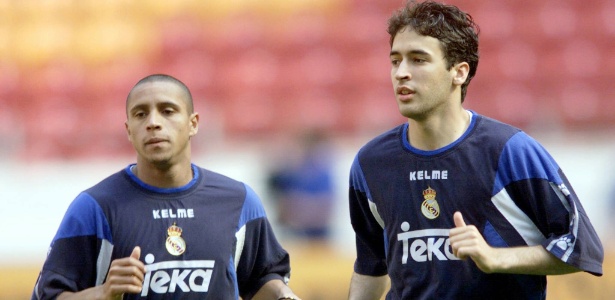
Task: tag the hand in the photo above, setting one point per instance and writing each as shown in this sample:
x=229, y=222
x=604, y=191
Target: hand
x=275, y=289
x=125, y=276
x=467, y=241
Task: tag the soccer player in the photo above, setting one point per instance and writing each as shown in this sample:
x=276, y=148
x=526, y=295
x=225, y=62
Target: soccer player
x=452, y=204
x=164, y=228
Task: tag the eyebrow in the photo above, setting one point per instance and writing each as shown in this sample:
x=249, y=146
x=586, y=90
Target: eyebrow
x=144, y=106
x=414, y=52
x=137, y=107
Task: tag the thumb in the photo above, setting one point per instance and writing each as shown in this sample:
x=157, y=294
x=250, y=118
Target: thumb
x=458, y=218
x=136, y=253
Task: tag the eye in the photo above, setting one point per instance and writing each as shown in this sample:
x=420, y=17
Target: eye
x=168, y=111
x=139, y=114
x=419, y=60
x=395, y=62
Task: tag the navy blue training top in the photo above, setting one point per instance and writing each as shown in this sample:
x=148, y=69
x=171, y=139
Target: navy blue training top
x=209, y=239
x=402, y=201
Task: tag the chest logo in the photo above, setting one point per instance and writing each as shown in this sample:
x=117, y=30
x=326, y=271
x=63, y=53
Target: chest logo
x=430, y=207
x=175, y=243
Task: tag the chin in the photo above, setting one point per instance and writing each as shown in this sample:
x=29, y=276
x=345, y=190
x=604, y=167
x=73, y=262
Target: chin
x=412, y=114
x=159, y=160
x=407, y=111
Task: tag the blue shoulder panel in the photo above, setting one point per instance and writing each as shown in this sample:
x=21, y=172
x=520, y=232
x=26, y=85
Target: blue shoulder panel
x=523, y=158
x=357, y=179
x=252, y=207
x=84, y=217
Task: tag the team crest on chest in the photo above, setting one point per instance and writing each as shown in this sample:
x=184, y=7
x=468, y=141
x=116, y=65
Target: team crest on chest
x=175, y=243
x=430, y=207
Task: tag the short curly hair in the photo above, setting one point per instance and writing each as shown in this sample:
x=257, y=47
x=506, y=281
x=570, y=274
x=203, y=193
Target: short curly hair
x=455, y=29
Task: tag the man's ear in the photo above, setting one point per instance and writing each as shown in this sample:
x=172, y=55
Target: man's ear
x=127, y=130
x=460, y=73
x=194, y=123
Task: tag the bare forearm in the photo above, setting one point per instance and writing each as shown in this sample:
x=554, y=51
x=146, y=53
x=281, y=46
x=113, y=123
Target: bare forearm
x=467, y=242
x=363, y=287
x=533, y=260
x=94, y=293
x=274, y=289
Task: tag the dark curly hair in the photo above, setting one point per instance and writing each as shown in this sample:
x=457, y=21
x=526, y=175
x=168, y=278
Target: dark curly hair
x=455, y=29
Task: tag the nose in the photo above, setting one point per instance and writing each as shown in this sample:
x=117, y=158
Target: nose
x=153, y=121
x=403, y=71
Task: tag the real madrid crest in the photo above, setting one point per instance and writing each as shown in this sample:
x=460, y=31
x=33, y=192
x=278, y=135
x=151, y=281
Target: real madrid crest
x=430, y=207
x=175, y=243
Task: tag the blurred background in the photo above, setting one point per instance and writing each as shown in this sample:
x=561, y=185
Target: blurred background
x=288, y=90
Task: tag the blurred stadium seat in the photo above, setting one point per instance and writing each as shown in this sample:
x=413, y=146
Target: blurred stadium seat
x=269, y=66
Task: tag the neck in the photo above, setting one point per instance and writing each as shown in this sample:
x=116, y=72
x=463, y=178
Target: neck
x=438, y=131
x=164, y=176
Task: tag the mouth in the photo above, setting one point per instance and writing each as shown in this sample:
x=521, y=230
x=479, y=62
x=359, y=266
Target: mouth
x=404, y=91
x=154, y=141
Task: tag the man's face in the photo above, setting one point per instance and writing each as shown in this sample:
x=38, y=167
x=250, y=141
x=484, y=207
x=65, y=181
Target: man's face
x=421, y=81
x=159, y=124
